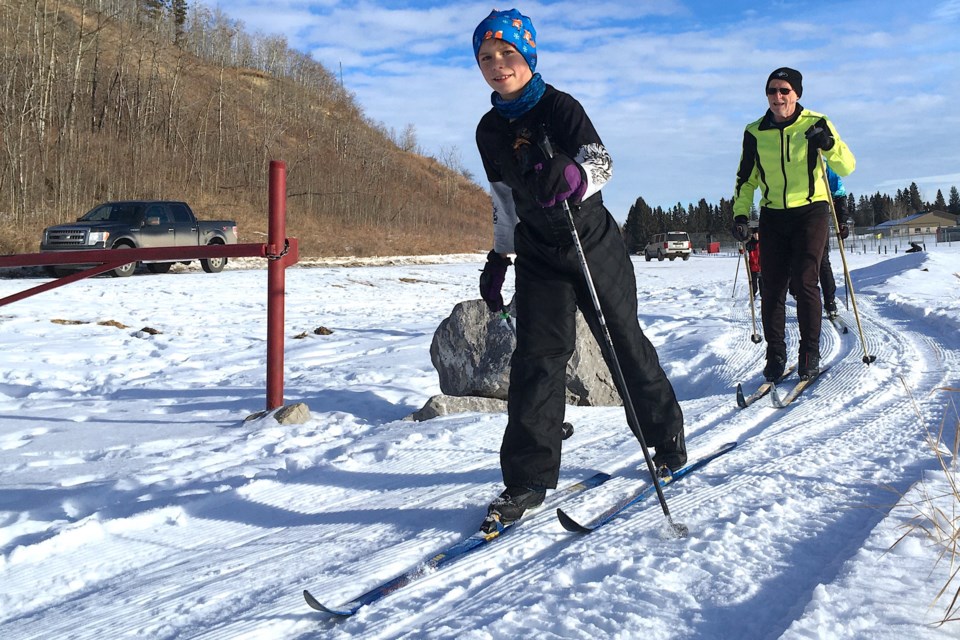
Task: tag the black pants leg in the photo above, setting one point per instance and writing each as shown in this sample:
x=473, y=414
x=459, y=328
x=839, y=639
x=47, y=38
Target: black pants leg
x=794, y=241
x=545, y=304
x=550, y=286
x=827, y=282
x=651, y=393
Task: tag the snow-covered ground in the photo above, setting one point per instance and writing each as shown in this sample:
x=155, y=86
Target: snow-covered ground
x=135, y=501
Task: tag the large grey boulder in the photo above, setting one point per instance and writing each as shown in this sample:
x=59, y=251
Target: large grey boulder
x=471, y=352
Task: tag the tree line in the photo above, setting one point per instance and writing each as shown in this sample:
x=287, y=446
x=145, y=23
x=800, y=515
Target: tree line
x=123, y=99
x=714, y=220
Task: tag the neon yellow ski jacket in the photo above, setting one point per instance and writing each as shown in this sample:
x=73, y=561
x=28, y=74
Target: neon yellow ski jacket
x=776, y=159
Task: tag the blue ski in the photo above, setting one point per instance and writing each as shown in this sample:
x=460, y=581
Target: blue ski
x=458, y=550
x=612, y=512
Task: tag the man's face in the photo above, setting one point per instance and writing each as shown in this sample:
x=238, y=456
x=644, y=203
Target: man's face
x=782, y=105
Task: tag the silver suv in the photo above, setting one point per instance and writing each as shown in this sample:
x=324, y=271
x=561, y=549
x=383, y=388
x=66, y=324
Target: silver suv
x=668, y=245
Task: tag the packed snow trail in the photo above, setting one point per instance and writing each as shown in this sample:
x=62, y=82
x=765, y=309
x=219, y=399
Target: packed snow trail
x=136, y=501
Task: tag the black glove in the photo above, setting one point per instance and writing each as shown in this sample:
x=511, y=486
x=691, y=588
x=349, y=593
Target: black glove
x=491, y=280
x=819, y=138
x=844, y=231
x=840, y=206
x=557, y=179
x=741, y=228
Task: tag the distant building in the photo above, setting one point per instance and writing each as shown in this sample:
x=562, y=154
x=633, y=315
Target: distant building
x=922, y=223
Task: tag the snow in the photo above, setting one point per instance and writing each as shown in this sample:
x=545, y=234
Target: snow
x=136, y=501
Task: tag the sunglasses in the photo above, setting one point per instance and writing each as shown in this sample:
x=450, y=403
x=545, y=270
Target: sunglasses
x=781, y=90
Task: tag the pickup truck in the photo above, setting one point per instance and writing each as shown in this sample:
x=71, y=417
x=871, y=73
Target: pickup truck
x=140, y=224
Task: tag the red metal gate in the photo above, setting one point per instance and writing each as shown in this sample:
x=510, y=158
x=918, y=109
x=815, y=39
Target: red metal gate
x=279, y=250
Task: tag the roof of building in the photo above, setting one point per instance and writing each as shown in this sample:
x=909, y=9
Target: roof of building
x=907, y=220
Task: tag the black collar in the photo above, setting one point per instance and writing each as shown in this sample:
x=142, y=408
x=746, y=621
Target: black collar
x=769, y=123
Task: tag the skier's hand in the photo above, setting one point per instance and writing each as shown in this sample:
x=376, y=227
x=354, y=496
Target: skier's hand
x=741, y=228
x=491, y=280
x=844, y=231
x=819, y=138
x=557, y=179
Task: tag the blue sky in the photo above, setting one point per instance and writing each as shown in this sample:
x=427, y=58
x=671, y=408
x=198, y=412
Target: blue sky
x=669, y=84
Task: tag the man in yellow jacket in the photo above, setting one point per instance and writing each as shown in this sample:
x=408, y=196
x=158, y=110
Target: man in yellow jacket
x=780, y=157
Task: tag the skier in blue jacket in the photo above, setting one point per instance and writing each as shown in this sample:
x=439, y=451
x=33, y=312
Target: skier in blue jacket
x=828, y=285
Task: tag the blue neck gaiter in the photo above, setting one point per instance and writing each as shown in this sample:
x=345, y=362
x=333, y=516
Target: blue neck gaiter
x=532, y=93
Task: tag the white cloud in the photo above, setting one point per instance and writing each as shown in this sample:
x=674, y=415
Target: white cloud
x=669, y=86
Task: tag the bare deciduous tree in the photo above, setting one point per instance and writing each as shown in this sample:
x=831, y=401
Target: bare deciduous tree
x=113, y=99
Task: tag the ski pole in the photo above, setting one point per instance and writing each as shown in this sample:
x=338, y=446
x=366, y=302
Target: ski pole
x=679, y=530
x=867, y=358
x=733, y=294
x=755, y=337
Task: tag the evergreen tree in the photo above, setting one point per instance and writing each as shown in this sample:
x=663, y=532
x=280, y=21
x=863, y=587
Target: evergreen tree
x=639, y=227
x=724, y=217
x=954, y=205
x=883, y=207
x=153, y=9
x=915, y=201
x=864, y=213
x=179, y=10
x=851, y=207
x=940, y=204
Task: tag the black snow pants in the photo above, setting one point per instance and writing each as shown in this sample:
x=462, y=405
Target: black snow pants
x=549, y=288
x=827, y=282
x=793, y=243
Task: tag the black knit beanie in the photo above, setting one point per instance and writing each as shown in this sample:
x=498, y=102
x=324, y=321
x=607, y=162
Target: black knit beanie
x=790, y=75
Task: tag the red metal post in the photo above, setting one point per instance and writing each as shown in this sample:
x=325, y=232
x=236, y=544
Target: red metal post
x=276, y=282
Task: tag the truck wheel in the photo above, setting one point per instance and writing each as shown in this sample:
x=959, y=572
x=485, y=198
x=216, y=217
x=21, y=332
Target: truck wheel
x=213, y=265
x=647, y=257
x=159, y=267
x=126, y=270
x=659, y=256
x=54, y=272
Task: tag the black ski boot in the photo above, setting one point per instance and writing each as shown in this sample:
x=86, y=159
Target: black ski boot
x=830, y=308
x=774, y=369
x=510, y=505
x=671, y=455
x=809, y=365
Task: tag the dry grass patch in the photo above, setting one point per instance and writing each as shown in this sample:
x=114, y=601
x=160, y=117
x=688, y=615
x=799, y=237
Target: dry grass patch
x=937, y=510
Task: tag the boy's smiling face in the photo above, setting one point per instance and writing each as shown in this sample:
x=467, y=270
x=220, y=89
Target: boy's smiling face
x=504, y=68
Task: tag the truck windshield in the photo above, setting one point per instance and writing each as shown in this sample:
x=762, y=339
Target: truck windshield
x=126, y=213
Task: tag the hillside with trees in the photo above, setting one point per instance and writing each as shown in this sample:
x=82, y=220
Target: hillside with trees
x=120, y=99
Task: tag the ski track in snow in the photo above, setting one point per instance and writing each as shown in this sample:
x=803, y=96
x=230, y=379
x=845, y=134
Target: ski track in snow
x=136, y=500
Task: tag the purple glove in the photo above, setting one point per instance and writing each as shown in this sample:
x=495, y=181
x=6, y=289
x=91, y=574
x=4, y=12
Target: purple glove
x=491, y=280
x=559, y=179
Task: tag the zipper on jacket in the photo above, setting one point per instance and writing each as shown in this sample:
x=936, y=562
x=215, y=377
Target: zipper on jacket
x=784, y=159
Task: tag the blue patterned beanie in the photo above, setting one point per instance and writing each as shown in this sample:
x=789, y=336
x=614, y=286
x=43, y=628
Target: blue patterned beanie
x=510, y=26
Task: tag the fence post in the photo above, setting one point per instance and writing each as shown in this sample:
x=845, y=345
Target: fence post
x=276, y=282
